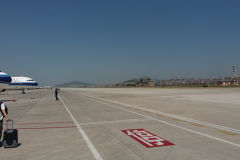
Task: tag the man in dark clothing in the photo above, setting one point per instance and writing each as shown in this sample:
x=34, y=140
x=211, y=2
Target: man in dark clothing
x=56, y=94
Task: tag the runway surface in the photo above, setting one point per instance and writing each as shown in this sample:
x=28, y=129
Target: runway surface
x=126, y=124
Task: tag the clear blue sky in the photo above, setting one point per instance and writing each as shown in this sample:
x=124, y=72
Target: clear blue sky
x=109, y=41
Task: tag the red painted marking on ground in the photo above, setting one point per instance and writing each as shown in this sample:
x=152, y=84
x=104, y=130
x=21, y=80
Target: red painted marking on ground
x=48, y=127
x=146, y=138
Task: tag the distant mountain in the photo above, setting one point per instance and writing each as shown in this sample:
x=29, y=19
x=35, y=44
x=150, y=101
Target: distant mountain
x=131, y=80
x=74, y=84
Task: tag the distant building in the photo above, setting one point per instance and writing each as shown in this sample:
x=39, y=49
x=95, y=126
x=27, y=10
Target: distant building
x=151, y=83
x=227, y=82
x=145, y=82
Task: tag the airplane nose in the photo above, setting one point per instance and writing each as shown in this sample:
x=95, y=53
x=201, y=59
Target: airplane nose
x=5, y=78
x=9, y=79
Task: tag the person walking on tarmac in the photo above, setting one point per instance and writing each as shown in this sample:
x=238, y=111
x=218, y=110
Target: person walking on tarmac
x=56, y=93
x=3, y=113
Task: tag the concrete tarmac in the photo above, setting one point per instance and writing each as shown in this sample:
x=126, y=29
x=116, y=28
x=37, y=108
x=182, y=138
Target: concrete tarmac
x=87, y=124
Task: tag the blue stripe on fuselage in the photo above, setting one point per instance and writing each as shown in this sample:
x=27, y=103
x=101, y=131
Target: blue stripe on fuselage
x=5, y=79
x=23, y=84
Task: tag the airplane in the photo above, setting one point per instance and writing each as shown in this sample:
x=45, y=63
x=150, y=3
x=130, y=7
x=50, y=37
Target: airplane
x=21, y=83
x=5, y=79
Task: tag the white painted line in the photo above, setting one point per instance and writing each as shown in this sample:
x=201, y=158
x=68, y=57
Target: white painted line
x=183, y=128
x=173, y=116
x=84, y=135
x=113, y=122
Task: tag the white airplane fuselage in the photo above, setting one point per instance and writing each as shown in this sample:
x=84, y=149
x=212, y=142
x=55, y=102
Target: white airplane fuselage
x=21, y=83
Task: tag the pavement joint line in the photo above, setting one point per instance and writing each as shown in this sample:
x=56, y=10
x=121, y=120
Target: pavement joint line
x=41, y=128
x=173, y=116
x=40, y=123
x=86, y=123
x=94, y=151
x=164, y=122
x=113, y=122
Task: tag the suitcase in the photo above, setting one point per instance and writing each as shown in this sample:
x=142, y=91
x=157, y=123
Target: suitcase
x=10, y=137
